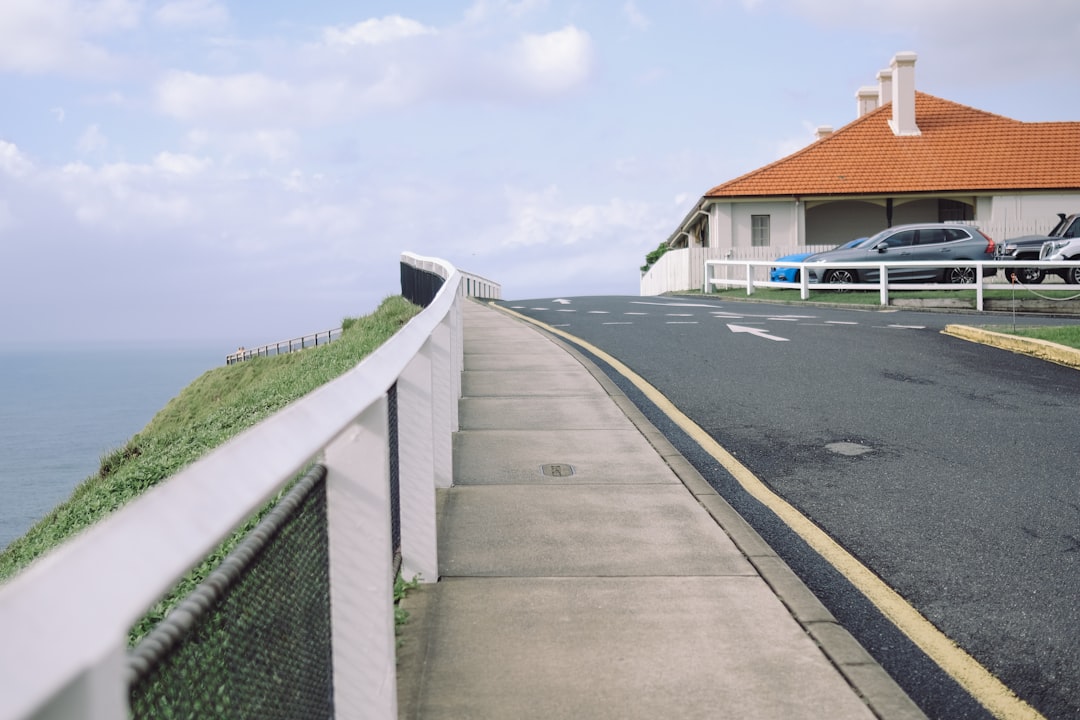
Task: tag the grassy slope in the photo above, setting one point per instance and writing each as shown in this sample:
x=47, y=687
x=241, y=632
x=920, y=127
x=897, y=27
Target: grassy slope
x=212, y=409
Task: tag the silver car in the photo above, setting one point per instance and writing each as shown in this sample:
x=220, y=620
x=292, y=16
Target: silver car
x=923, y=241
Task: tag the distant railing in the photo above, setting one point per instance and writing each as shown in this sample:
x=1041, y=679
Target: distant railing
x=65, y=620
x=284, y=346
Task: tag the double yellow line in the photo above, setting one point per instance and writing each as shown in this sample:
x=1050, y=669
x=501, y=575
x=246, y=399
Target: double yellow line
x=998, y=699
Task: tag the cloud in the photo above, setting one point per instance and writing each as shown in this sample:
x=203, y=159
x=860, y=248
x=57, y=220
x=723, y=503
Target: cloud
x=483, y=11
x=554, y=62
x=634, y=16
x=1018, y=40
x=376, y=32
x=546, y=218
x=55, y=37
x=191, y=96
x=12, y=162
x=185, y=14
x=92, y=141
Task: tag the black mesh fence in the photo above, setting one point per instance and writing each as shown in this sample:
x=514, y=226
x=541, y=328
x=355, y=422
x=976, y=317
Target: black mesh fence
x=419, y=286
x=253, y=640
x=395, y=476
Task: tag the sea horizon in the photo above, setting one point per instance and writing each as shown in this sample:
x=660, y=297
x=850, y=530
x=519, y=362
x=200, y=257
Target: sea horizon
x=65, y=405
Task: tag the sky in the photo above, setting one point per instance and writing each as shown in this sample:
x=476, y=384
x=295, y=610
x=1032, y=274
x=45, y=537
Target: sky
x=248, y=172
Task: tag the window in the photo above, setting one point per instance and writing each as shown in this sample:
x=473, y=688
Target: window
x=759, y=230
x=901, y=239
x=933, y=236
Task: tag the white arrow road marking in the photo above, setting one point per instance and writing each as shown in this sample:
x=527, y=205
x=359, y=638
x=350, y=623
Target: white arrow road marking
x=561, y=301
x=759, y=332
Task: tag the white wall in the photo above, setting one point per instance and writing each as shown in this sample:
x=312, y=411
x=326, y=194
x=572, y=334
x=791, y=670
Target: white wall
x=783, y=226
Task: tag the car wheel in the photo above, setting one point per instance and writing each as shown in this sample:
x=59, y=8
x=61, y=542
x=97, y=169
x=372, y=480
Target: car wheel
x=958, y=275
x=1026, y=276
x=1072, y=275
x=842, y=277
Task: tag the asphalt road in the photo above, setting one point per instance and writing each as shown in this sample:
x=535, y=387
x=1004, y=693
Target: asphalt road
x=948, y=468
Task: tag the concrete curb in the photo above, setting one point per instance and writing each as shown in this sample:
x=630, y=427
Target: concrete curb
x=1042, y=349
x=884, y=697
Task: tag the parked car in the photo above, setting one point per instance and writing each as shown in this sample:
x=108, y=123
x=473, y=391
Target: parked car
x=1066, y=249
x=1029, y=247
x=909, y=243
x=791, y=274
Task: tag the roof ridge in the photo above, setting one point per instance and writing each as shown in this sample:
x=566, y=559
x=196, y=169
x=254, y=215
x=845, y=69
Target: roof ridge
x=959, y=148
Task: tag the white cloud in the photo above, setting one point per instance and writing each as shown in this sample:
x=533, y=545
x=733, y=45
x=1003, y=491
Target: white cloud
x=546, y=218
x=7, y=219
x=376, y=32
x=634, y=16
x=1014, y=39
x=180, y=164
x=13, y=162
x=45, y=37
x=192, y=14
x=92, y=141
x=555, y=62
x=485, y=10
x=190, y=96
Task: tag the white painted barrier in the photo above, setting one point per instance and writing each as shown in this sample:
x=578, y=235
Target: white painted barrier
x=746, y=273
x=64, y=621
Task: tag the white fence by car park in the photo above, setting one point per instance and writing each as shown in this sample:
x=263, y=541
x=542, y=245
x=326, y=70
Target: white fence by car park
x=753, y=274
x=65, y=620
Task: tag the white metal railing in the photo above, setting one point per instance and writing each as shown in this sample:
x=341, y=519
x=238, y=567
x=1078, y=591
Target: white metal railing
x=747, y=273
x=471, y=285
x=683, y=269
x=64, y=621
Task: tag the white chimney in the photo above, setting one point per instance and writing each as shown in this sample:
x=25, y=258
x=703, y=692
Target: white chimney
x=823, y=131
x=884, y=79
x=903, y=95
x=867, y=99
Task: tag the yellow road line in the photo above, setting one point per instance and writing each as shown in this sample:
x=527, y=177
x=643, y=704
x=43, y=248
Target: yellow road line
x=998, y=699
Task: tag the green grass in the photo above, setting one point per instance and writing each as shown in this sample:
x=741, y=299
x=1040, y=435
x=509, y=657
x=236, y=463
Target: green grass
x=1068, y=335
x=207, y=413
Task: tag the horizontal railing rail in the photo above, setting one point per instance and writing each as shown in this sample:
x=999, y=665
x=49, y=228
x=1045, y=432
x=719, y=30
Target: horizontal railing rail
x=284, y=346
x=65, y=620
x=747, y=273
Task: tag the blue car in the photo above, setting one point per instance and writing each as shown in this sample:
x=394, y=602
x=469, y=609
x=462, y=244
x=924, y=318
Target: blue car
x=791, y=274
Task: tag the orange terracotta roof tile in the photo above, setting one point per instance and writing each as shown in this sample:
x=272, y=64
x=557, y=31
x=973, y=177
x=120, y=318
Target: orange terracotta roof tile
x=960, y=149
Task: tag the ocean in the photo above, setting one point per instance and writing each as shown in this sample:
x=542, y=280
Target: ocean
x=62, y=410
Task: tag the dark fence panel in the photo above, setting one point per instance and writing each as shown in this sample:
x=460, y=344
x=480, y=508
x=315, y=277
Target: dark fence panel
x=253, y=640
x=419, y=286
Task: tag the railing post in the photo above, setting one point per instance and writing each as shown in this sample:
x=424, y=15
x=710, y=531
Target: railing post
x=979, y=287
x=416, y=475
x=883, y=279
x=749, y=278
x=361, y=568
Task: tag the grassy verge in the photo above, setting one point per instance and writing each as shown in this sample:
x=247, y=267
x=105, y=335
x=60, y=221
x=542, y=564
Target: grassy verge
x=207, y=413
x=1068, y=336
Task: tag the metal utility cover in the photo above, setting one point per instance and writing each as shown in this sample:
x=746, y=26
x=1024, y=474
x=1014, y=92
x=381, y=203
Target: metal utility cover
x=557, y=470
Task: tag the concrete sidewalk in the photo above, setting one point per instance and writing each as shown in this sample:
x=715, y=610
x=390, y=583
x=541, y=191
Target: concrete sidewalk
x=587, y=571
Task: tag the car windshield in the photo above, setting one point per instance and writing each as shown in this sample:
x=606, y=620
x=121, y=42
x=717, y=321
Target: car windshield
x=874, y=239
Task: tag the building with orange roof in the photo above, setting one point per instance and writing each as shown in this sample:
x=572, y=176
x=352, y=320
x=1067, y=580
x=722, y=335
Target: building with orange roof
x=908, y=157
